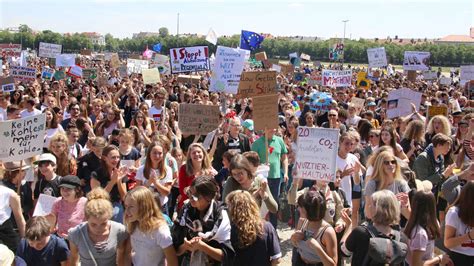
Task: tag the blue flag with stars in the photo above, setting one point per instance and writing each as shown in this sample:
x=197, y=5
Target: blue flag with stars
x=250, y=40
x=157, y=47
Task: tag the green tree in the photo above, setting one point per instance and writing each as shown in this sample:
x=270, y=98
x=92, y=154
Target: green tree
x=164, y=32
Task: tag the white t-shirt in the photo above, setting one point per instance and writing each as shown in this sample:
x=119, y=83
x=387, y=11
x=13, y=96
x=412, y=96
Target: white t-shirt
x=341, y=164
x=148, y=248
x=26, y=113
x=419, y=241
x=5, y=210
x=155, y=113
x=452, y=219
x=167, y=179
x=50, y=132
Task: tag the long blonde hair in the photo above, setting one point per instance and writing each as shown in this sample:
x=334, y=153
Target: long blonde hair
x=446, y=125
x=379, y=175
x=206, y=163
x=245, y=215
x=150, y=215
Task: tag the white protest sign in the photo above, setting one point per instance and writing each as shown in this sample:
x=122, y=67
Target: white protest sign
x=189, y=59
x=136, y=65
x=49, y=50
x=377, y=57
x=337, y=78
x=227, y=70
x=44, y=206
x=316, y=153
x=22, y=138
x=7, y=84
x=415, y=60
x=151, y=76
x=399, y=102
x=358, y=104
x=429, y=75
x=47, y=73
x=277, y=68
x=75, y=71
x=445, y=80
x=162, y=62
x=23, y=73
x=211, y=36
x=467, y=73
x=305, y=57
x=65, y=60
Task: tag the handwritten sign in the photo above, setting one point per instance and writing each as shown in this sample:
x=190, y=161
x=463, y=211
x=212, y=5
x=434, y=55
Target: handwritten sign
x=277, y=68
x=467, y=72
x=136, y=65
x=151, y=76
x=114, y=60
x=399, y=102
x=445, y=80
x=415, y=60
x=287, y=68
x=437, y=110
x=261, y=56
x=22, y=138
x=265, y=112
x=89, y=73
x=23, y=73
x=227, y=70
x=198, y=118
x=255, y=83
x=316, y=153
x=377, y=57
x=49, y=50
x=8, y=50
x=65, y=60
x=86, y=52
x=305, y=57
x=429, y=75
x=358, y=104
x=411, y=75
x=123, y=71
x=337, y=78
x=190, y=79
x=7, y=84
x=189, y=59
x=44, y=206
x=162, y=62
x=47, y=73
x=75, y=71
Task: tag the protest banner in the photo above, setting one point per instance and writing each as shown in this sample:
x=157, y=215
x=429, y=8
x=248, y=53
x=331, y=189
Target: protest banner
x=49, y=50
x=65, y=60
x=305, y=57
x=22, y=138
x=265, y=112
x=9, y=50
x=429, y=75
x=44, y=205
x=316, y=153
x=257, y=83
x=7, y=83
x=151, y=76
x=114, y=61
x=337, y=78
x=75, y=71
x=377, y=57
x=86, y=52
x=59, y=75
x=362, y=81
x=399, y=102
x=467, y=73
x=320, y=101
x=189, y=59
x=437, y=110
x=358, y=104
x=20, y=73
x=89, y=73
x=411, y=75
x=190, y=79
x=445, y=80
x=47, y=73
x=227, y=70
x=315, y=79
x=415, y=60
x=136, y=65
x=261, y=56
x=162, y=62
x=198, y=118
x=277, y=68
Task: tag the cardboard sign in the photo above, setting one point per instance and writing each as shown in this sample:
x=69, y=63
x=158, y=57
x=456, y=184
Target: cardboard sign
x=411, y=75
x=75, y=71
x=115, y=60
x=151, y=76
x=257, y=83
x=8, y=50
x=47, y=73
x=22, y=138
x=44, y=206
x=337, y=78
x=429, y=75
x=227, y=70
x=23, y=73
x=358, y=104
x=305, y=57
x=316, y=153
x=399, y=102
x=267, y=64
x=65, y=60
x=89, y=73
x=467, y=72
x=190, y=79
x=261, y=56
x=437, y=110
x=189, y=59
x=162, y=62
x=377, y=57
x=198, y=118
x=415, y=60
x=265, y=112
x=287, y=68
x=136, y=66
x=49, y=50
x=7, y=84
x=86, y=52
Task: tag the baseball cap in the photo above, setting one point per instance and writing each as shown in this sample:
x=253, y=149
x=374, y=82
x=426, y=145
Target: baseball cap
x=371, y=104
x=70, y=181
x=248, y=124
x=46, y=157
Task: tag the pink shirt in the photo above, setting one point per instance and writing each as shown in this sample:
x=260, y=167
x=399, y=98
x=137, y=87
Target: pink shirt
x=68, y=215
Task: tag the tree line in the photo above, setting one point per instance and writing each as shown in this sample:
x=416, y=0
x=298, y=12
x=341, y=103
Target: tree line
x=354, y=51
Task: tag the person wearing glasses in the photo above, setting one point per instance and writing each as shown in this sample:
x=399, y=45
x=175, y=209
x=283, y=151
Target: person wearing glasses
x=74, y=110
x=334, y=122
x=156, y=111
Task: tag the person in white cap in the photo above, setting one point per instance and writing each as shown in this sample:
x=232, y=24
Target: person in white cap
x=48, y=180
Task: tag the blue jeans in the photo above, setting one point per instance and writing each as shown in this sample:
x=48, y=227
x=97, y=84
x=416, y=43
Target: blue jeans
x=274, y=185
x=117, y=213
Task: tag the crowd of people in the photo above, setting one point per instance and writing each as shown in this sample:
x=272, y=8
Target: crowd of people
x=131, y=188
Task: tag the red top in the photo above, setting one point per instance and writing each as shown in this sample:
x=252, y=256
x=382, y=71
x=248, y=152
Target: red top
x=184, y=181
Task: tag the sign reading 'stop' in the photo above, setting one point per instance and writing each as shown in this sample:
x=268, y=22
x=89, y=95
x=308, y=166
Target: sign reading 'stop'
x=189, y=59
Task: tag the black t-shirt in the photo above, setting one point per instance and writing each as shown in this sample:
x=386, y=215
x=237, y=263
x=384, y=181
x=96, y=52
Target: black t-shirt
x=50, y=188
x=85, y=166
x=103, y=177
x=133, y=155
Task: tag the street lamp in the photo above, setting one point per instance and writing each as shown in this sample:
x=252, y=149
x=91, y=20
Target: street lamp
x=344, y=21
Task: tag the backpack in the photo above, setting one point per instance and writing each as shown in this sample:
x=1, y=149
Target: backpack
x=384, y=250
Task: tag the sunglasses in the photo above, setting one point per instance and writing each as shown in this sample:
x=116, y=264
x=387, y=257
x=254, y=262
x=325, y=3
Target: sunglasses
x=332, y=115
x=373, y=136
x=390, y=162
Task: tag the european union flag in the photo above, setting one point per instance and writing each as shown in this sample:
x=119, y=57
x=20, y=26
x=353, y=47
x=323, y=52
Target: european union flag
x=157, y=47
x=250, y=40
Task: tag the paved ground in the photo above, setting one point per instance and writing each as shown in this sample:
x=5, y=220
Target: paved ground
x=284, y=232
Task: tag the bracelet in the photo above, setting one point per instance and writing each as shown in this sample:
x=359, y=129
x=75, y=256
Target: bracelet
x=439, y=259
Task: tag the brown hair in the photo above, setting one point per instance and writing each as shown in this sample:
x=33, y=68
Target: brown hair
x=464, y=204
x=441, y=139
x=37, y=227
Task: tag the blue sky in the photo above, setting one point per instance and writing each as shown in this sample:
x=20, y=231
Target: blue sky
x=367, y=18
